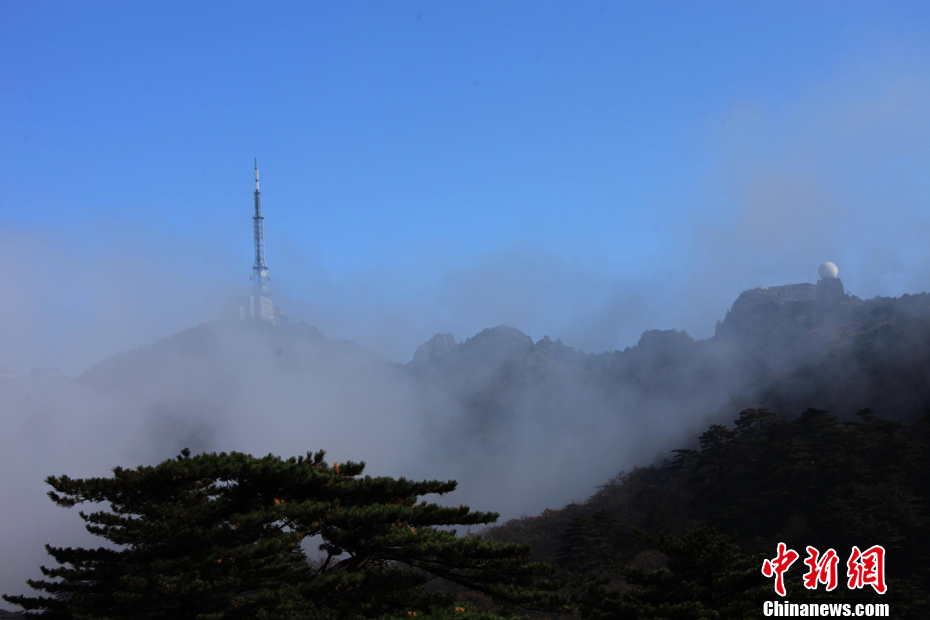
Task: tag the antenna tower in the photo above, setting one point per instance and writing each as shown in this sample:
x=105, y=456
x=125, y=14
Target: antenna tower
x=259, y=269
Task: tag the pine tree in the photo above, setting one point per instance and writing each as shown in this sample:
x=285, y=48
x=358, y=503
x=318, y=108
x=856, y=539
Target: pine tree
x=590, y=542
x=219, y=536
x=707, y=578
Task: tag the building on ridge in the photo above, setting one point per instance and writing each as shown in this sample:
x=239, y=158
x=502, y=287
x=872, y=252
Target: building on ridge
x=829, y=287
x=827, y=291
x=787, y=302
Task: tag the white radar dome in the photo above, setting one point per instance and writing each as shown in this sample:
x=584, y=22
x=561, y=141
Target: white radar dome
x=828, y=271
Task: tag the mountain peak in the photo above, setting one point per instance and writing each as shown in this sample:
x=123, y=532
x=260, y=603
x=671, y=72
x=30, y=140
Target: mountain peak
x=433, y=349
x=503, y=340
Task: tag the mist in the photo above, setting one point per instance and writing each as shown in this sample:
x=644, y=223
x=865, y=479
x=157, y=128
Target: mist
x=453, y=216
x=237, y=390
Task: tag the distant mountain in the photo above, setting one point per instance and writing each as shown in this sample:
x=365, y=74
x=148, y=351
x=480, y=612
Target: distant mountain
x=499, y=392
x=224, y=348
x=780, y=347
x=768, y=351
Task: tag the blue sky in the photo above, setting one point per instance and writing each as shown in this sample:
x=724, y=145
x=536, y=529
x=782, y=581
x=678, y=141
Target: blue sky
x=582, y=170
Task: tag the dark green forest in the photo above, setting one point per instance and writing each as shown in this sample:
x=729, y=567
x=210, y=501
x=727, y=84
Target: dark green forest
x=808, y=481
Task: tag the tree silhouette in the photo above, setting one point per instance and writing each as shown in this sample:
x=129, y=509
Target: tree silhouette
x=219, y=536
x=707, y=578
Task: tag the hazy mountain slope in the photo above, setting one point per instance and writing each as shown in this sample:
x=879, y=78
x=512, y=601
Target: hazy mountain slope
x=849, y=355
x=216, y=387
x=522, y=425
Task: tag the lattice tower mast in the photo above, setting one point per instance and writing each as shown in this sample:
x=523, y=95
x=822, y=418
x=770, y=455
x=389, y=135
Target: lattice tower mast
x=259, y=269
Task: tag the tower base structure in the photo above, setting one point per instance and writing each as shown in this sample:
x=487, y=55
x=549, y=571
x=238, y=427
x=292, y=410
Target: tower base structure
x=262, y=308
x=252, y=308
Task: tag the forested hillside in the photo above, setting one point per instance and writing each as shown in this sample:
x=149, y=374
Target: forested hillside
x=810, y=481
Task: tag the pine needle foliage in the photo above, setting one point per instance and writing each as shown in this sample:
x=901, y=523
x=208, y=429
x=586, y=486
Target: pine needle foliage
x=219, y=536
x=590, y=542
x=707, y=578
